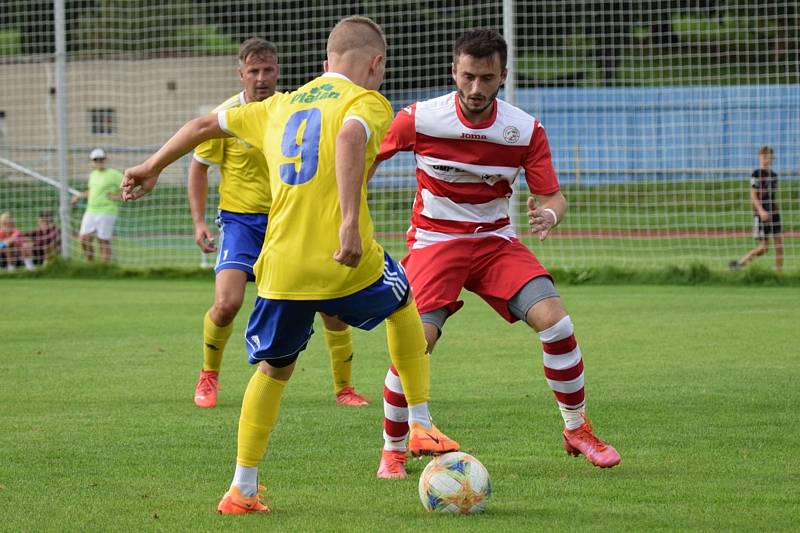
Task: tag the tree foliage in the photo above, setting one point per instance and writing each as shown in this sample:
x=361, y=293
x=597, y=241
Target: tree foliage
x=559, y=42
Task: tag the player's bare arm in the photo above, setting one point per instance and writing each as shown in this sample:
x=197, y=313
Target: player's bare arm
x=373, y=169
x=350, y=152
x=197, y=190
x=545, y=211
x=79, y=196
x=141, y=179
x=762, y=213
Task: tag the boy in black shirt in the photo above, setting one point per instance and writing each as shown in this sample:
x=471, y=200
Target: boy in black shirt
x=766, y=218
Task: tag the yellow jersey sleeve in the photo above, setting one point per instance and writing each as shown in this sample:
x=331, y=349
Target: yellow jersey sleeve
x=373, y=110
x=211, y=152
x=247, y=122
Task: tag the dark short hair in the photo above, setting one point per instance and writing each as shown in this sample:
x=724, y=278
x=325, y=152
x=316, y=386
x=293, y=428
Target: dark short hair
x=257, y=47
x=481, y=43
x=766, y=149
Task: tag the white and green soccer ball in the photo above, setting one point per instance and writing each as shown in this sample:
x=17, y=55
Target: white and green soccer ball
x=455, y=482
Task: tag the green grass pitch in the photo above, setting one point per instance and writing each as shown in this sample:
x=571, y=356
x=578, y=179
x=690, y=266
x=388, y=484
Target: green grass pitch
x=696, y=386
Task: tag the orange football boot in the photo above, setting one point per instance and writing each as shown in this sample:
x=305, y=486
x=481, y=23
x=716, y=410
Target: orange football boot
x=583, y=441
x=205, y=392
x=393, y=465
x=349, y=396
x=234, y=503
x=429, y=441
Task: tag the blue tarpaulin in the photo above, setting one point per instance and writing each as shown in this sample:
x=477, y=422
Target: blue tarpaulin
x=618, y=134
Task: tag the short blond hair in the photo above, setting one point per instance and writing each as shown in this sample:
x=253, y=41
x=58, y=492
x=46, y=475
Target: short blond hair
x=355, y=32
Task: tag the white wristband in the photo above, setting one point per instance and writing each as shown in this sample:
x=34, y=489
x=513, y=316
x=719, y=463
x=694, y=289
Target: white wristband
x=555, y=217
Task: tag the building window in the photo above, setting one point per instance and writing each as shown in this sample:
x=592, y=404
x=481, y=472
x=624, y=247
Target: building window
x=2, y=126
x=103, y=121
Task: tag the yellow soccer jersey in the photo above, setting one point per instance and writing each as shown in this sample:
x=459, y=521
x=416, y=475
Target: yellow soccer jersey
x=244, y=185
x=297, y=133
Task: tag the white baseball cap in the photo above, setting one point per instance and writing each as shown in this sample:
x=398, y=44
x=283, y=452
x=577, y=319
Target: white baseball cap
x=97, y=153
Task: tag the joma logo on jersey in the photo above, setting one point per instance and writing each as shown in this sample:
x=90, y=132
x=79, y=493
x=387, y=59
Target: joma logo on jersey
x=316, y=93
x=473, y=136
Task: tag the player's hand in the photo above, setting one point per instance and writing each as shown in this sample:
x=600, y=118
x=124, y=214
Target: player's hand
x=763, y=215
x=349, y=252
x=137, y=182
x=541, y=220
x=204, y=238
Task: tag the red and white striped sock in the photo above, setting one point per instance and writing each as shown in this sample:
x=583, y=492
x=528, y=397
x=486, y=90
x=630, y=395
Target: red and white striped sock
x=395, y=413
x=563, y=370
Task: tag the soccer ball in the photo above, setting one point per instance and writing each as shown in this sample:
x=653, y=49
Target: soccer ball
x=455, y=482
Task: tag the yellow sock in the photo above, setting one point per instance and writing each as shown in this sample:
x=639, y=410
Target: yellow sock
x=214, y=340
x=260, y=407
x=407, y=348
x=340, y=346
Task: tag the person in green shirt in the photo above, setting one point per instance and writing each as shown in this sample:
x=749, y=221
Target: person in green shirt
x=101, y=208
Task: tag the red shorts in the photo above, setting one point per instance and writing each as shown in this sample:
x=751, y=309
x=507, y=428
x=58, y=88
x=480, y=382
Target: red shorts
x=492, y=267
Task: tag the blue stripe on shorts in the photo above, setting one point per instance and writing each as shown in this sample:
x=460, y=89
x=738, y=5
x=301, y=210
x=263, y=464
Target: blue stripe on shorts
x=282, y=328
x=241, y=236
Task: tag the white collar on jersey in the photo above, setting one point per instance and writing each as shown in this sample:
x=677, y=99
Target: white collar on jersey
x=330, y=74
x=242, y=100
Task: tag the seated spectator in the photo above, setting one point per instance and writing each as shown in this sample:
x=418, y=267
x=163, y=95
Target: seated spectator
x=43, y=243
x=12, y=244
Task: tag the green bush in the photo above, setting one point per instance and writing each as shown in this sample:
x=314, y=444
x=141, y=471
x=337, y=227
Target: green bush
x=206, y=39
x=10, y=41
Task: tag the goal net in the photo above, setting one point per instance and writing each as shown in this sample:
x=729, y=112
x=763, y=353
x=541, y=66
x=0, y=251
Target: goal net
x=655, y=112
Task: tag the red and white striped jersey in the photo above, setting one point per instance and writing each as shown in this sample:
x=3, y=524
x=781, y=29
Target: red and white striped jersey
x=465, y=172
